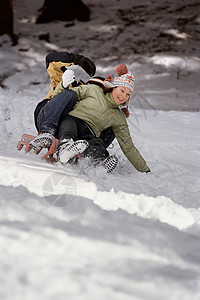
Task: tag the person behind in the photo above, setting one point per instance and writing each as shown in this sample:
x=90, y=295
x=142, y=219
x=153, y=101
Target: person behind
x=53, y=110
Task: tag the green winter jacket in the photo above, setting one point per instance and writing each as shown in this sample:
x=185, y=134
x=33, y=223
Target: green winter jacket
x=100, y=111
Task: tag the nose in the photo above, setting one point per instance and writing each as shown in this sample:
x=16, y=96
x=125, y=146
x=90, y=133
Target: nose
x=123, y=96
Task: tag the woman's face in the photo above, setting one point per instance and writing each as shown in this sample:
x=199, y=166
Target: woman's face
x=121, y=94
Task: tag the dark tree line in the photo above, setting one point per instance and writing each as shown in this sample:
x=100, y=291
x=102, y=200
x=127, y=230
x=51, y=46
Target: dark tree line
x=64, y=10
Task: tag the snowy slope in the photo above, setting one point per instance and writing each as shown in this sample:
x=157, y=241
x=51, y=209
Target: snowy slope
x=78, y=232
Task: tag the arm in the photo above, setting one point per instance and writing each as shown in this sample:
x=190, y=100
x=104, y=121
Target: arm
x=81, y=91
x=130, y=151
x=54, y=62
x=71, y=58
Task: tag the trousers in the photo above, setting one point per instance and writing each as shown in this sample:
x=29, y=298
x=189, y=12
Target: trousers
x=76, y=129
x=51, y=114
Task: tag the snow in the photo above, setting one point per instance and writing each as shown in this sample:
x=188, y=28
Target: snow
x=80, y=233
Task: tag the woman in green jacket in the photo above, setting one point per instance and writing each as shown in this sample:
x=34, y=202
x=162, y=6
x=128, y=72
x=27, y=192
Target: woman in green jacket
x=96, y=110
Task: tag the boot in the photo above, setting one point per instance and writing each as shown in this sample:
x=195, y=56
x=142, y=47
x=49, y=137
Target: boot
x=110, y=163
x=69, y=149
x=42, y=140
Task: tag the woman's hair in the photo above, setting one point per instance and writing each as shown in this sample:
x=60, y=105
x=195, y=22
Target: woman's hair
x=107, y=90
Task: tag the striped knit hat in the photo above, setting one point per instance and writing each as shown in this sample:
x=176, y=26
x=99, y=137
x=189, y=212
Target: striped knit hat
x=124, y=78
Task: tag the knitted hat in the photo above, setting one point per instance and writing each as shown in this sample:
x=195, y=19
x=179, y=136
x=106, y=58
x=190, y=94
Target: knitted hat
x=96, y=80
x=124, y=78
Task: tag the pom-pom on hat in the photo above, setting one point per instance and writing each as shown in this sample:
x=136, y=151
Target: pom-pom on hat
x=126, y=80
x=121, y=70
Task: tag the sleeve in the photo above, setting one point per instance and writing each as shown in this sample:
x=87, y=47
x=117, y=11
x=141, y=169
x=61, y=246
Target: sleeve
x=81, y=91
x=54, y=62
x=124, y=139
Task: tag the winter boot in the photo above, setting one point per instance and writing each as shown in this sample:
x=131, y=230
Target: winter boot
x=42, y=140
x=110, y=163
x=70, y=149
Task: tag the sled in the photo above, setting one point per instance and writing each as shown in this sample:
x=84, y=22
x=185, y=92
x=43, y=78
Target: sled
x=27, y=138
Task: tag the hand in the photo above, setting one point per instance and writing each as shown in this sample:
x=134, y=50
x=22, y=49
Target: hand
x=68, y=77
x=85, y=63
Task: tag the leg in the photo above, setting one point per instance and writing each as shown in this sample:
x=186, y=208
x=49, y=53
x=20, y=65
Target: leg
x=68, y=145
x=67, y=130
x=100, y=155
x=107, y=136
x=51, y=113
x=77, y=129
x=93, y=147
x=49, y=116
x=96, y=150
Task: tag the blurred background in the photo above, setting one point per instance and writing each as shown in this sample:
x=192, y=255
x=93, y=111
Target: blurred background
x=158, y=40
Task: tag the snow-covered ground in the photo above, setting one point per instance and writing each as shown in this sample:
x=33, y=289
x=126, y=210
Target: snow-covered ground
x=80, y=233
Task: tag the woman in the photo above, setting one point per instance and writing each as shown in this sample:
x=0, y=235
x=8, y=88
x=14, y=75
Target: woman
x=95, y=111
